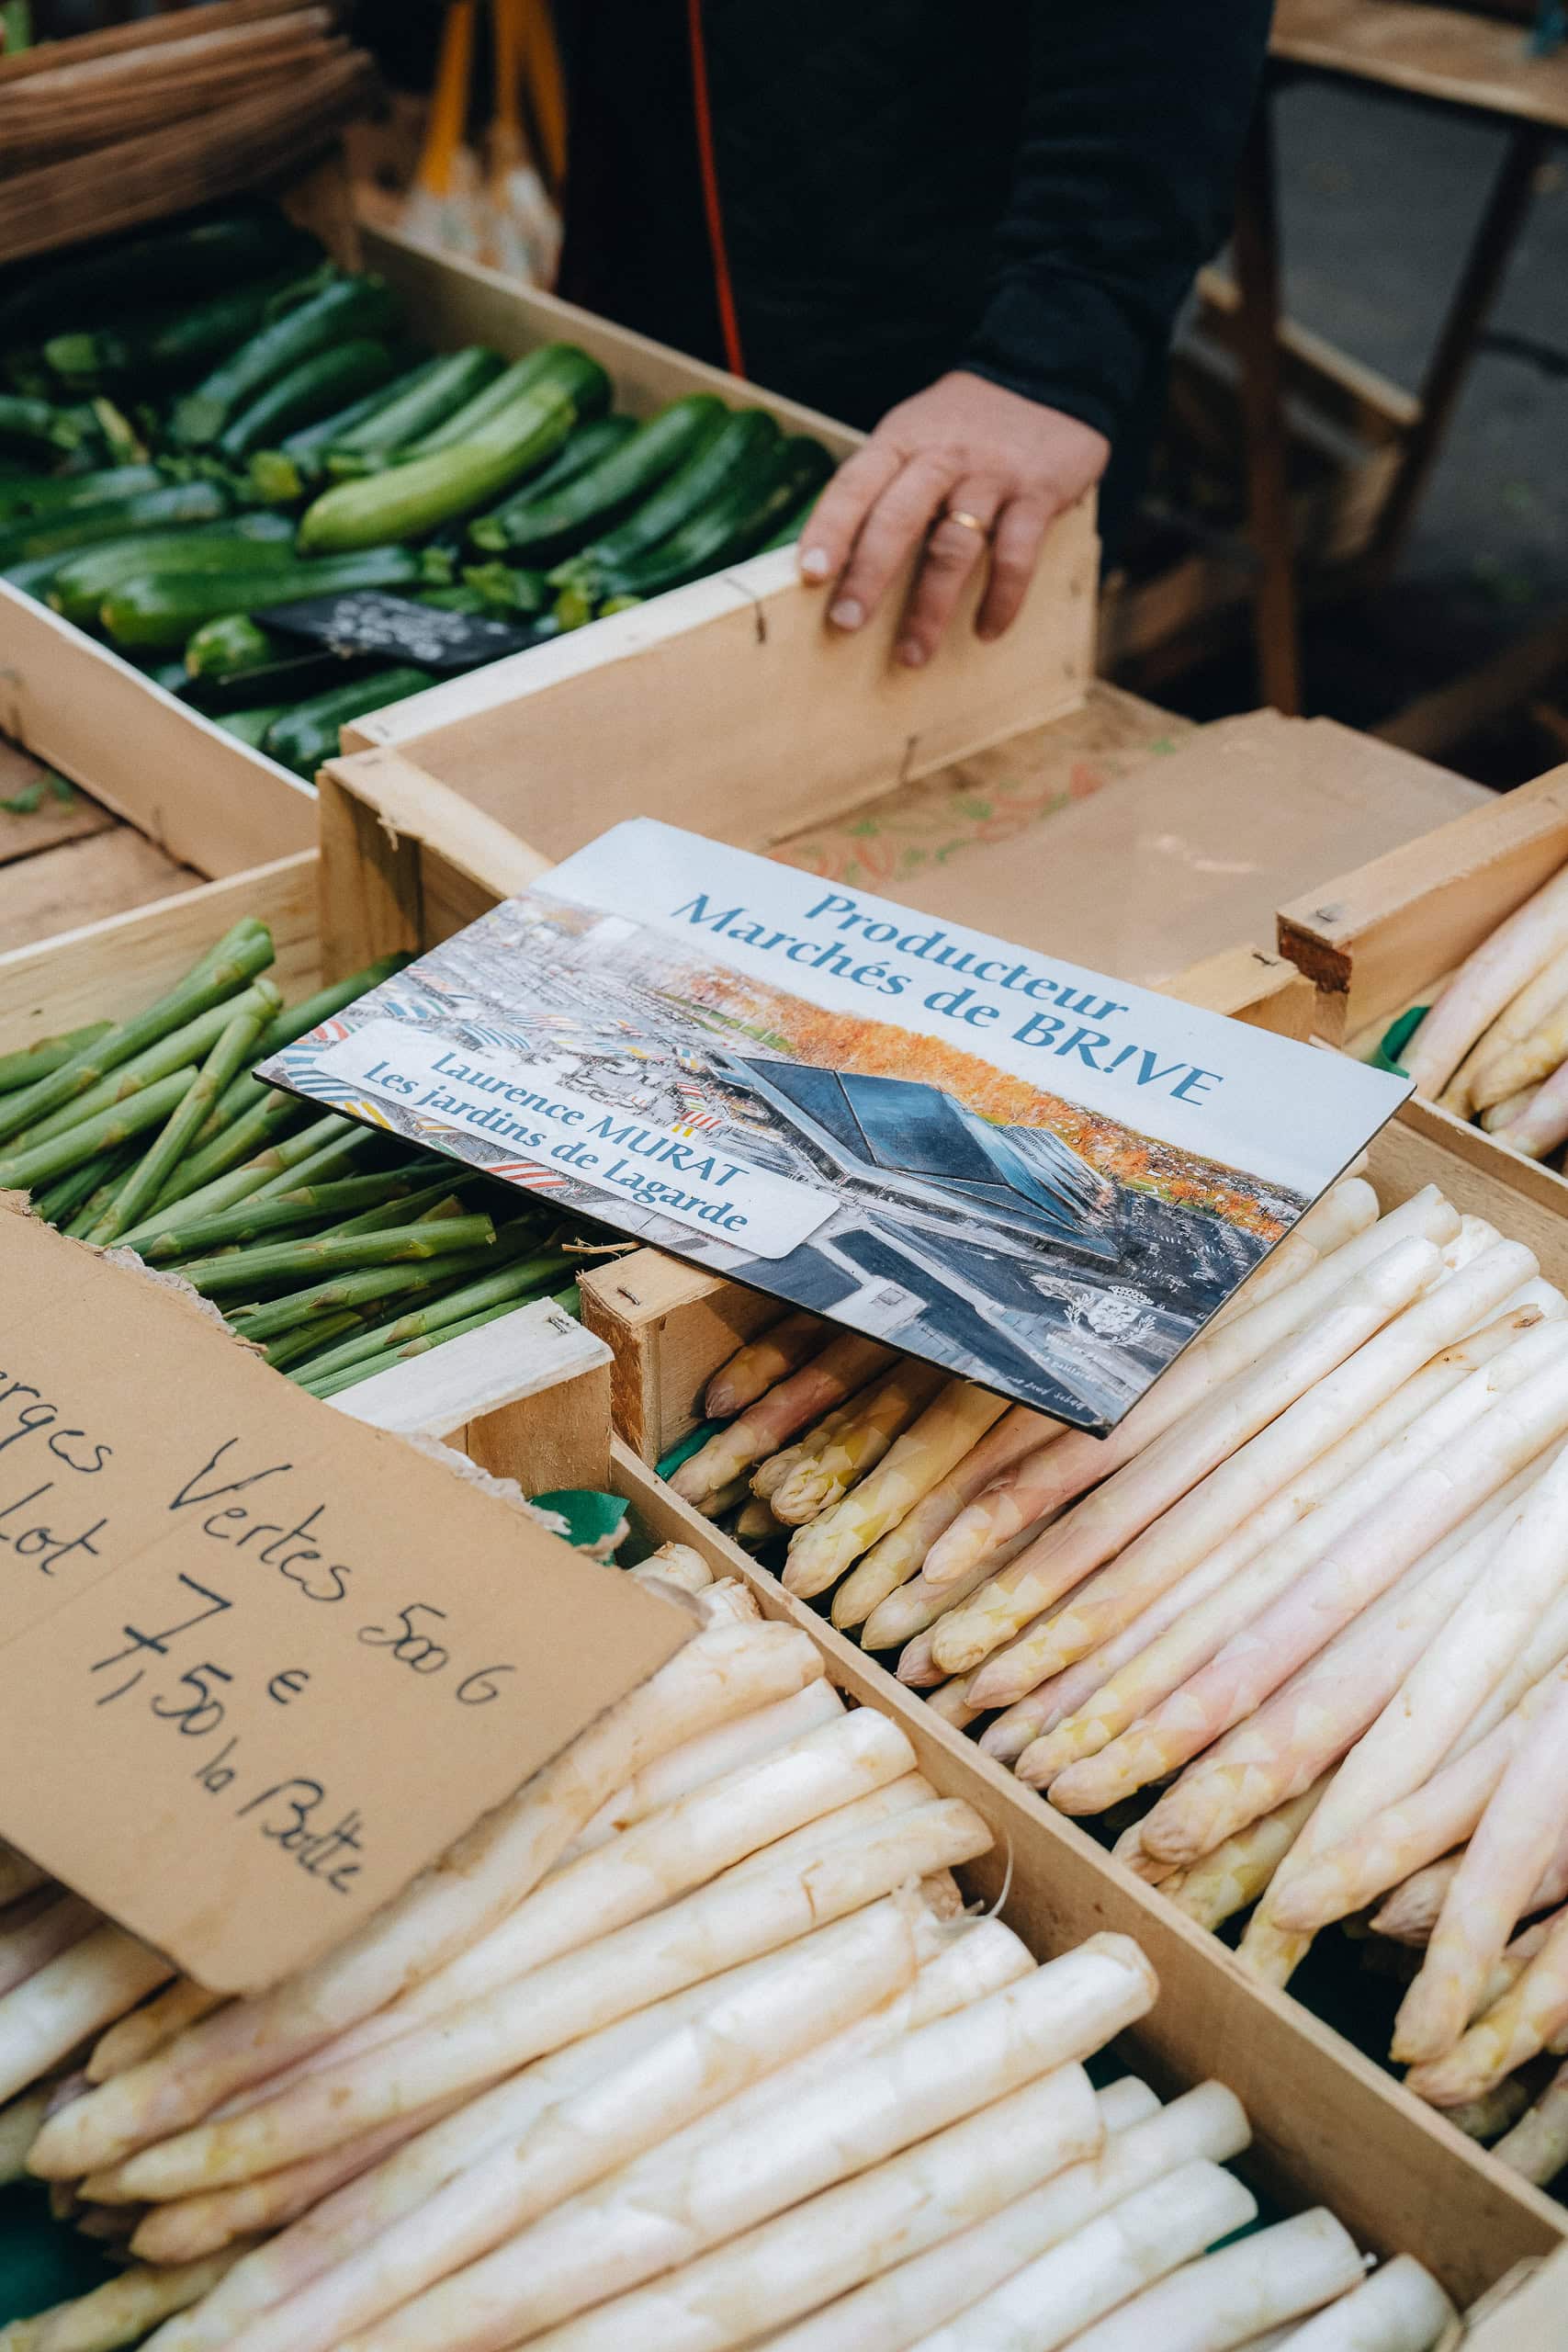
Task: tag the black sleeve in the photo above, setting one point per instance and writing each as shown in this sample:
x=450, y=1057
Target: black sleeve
x=1133, y=124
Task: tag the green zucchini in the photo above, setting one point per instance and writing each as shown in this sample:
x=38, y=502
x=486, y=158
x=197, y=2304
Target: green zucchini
x=178, y=502
x=348, y=306
x=507, y=588
x=235, y=543
x=544, y=527
x=33, y=574
x=37, y=425
x=316, y=385
x=171, y=343
x=230, y=645
x=299, y=462
x=449, y=384
x=306, y=737
x=170, y=675
x=408, y=500
x=731, y=526
x=57, y=493
x=580, y=450
x=550, y=362
x=744, y=443
x=251, y=726
x=242, y=242
x=158, y=609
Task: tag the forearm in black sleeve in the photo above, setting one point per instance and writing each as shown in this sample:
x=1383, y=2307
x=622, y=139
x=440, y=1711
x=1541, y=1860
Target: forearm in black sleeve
x=1134, y=126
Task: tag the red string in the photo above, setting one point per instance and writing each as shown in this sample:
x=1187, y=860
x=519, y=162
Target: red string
x=729, y=323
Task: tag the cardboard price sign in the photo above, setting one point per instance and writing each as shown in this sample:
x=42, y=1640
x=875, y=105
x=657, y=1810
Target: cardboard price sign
x=259, y=1664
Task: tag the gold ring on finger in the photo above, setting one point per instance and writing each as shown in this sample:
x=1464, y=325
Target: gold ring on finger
x=962, y=515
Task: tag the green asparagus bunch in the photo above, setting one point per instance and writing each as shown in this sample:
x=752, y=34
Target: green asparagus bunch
x=331, y=1246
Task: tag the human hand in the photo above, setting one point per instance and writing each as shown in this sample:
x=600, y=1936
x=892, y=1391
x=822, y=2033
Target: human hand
x=965, y=445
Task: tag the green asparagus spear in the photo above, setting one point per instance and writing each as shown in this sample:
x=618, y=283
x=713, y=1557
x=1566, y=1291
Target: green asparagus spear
x=248, y=950
x=62, y=1199
x=508, y=1288
x=46, y=1160
x=39, y=1061
x=349, y=1290
x=331, y=1384
x=338, y=1144
x=295, y=1345
x=232, y=1146
x=273, y=1168
x=192, y=1042
x=230, y=1051
x=247, y=1271
x=300, y=1205
x=297, y=1020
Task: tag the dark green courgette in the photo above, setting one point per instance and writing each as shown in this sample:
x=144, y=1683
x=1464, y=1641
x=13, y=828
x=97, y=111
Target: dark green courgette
x=245, y=240
x=164, y=609
x=299, y=461
x=550, y=362
x=348, y=306
x=449, y=384
x=58, y=493
x=304, y=738
x=180, y=502
x=171, y=343
x=541, y=529
x=743, y=446
x=586, y=447
x=321, y=383
x=508, y=588
x=408, y=500
x=234, y=543
x=37, y=425
x=731, y=528
x=33, y=574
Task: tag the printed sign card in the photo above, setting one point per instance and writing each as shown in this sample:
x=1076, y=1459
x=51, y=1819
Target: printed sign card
x=1034, y=1176
x=259, y=1664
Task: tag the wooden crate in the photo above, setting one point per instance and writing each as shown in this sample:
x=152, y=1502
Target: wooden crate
x=1332, y=2124
x=1373, y=939
x=527, y=1397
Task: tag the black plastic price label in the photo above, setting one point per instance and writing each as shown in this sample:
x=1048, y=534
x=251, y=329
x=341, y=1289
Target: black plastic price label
x=369, y=620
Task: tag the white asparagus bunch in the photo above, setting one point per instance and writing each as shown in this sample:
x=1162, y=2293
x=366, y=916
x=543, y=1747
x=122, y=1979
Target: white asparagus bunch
x=1401, y=2307
x=1210, y=2306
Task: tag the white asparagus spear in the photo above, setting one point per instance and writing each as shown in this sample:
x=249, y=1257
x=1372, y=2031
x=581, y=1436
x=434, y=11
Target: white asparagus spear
x=1401, y=2307
x=1246, y=1570
x=834, y=2240
x=1525, y=1063
x=486, y=2039
x=1514, y=1839
x=1515, y=1426
x=894, y=1559
x=984, y=1957
x=845, y=1364
x=929, y=1452
x=902, y=1795
x=56, y=1923
x=1500, y=1113
x=1525, y=2021
x=882, y=1412
x=1537, y=2147
x=769, y=1473
x=1210, y=2306
x=157, y=2021
x=903, y=1619
x=1486, y=983
x=764, y=1361
x=698, y=1761
x=1540, y=997
x=1055, y=2298
x=891, y=2311
x=1134, y=1496
x=671, y=2206
x=1313, y=1497
x=70, y=1997
x=189, y=2227
x=806, y=1996
x=675, y=1564
x=1240, y=1868
x=679, y=1847
x=726, y=1672
x=1045, y=1480
x=1237, y=1672
x=118, y=2313
x=1542, y=1124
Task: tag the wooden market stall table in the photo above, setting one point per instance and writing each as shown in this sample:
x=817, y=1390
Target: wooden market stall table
x=66, y=860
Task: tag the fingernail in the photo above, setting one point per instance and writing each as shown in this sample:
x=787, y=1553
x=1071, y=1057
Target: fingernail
x=911, y=652
x=814, y=563
x=846, y=613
